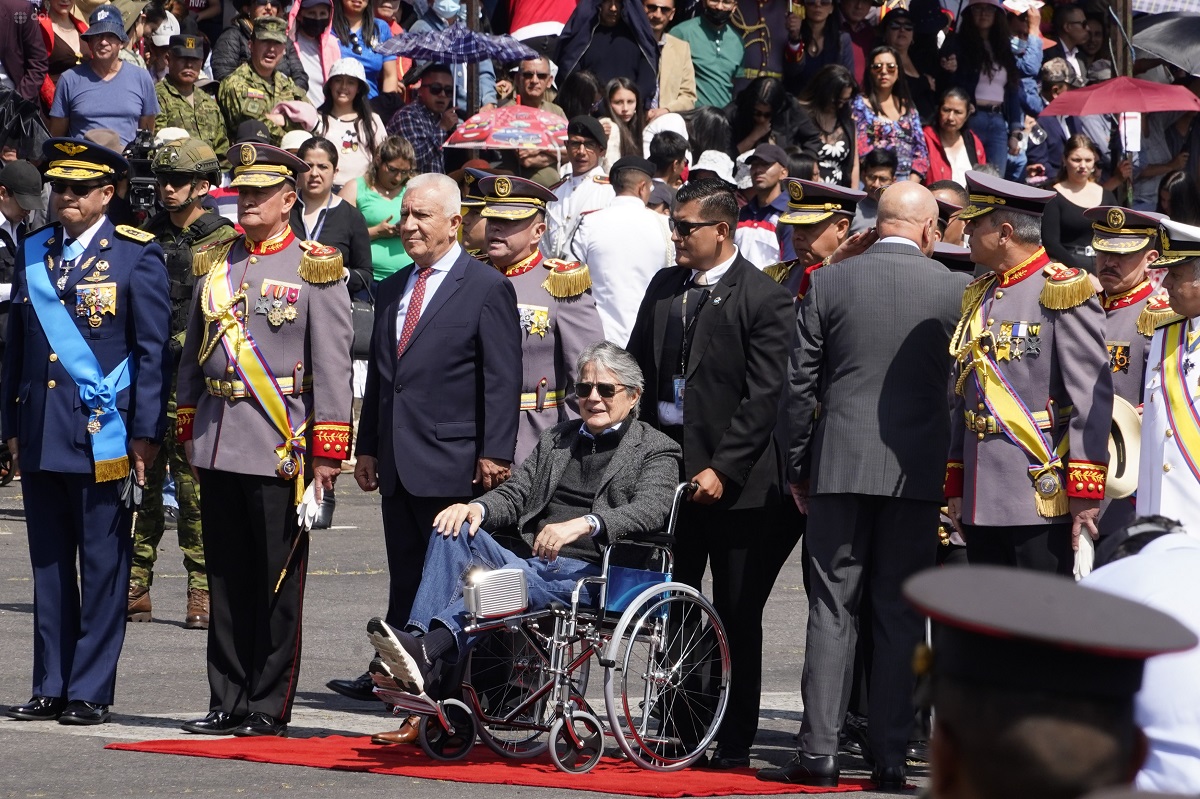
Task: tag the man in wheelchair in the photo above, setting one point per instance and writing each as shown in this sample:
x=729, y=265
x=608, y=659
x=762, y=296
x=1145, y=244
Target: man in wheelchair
x=585, y=485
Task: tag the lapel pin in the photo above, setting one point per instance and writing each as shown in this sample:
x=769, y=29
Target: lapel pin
x=717, y=300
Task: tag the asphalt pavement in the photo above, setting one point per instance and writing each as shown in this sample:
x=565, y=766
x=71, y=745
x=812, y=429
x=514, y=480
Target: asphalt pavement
x=161, y=681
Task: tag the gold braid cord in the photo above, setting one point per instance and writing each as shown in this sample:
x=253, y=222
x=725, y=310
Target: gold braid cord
x=210, y=255
x=218, y=321
x=967, y=354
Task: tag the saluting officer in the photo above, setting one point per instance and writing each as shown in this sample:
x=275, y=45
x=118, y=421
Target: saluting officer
x=557, y=313
x=84, y=393
x=1033, y=391
x=1169, y=473
x=264, y=397
x=820, y=217
x=185, y=170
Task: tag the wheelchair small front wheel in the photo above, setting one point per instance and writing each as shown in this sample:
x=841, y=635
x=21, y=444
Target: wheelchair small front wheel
x=576, y=742
x=441, y=744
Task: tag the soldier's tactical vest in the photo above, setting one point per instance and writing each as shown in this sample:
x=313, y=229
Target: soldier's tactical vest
x=177, y=250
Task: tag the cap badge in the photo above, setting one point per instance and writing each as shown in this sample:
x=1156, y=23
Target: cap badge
x=796, y=192
x=247, y=154
x=468, y=179
x=503, y=187
x=1116, y=218
x=190, y=42
x=70, y=148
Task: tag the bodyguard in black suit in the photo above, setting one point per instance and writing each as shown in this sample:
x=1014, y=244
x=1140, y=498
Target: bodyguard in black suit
x=439, y=415
x=715, y=330
x=871, y=353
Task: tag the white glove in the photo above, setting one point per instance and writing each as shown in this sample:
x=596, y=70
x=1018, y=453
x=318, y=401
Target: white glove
x=310, y=503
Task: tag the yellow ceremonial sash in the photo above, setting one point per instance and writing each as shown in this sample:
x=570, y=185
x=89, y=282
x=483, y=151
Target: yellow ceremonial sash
x=973, y=346
x=253, y=371
x=1181, y=410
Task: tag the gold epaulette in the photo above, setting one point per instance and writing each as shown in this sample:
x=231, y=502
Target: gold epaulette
x=1156, y=313
x=567, y=278
x=779, y=272
x=320, y=263
x=1065, y=288
x=975, y=290
x=133, y=234
x=209, y=255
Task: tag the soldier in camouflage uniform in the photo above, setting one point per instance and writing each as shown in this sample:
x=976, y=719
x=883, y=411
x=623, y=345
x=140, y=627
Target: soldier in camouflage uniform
x=185, y=170
x=1032, y=391
x=181, y=106
x=252, y=90
x=819, y=216
x=558, y=315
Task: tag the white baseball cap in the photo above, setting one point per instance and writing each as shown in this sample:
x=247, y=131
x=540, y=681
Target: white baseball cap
x=164, y=32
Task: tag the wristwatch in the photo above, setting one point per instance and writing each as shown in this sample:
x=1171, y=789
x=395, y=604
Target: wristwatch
x=593, y=522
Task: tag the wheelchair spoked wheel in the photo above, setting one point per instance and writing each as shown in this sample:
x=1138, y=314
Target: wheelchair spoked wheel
x=504, y=669
x=439, y=743
x=576, y=742
x=668, y=686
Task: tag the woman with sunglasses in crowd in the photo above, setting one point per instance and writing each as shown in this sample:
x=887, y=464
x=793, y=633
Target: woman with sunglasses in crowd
x=360, y=33
x=825, y=107
x=896, y=30
x=885, y=116
x=232, y=48
x=378, y=195
x=346, y=119
x=814, y=41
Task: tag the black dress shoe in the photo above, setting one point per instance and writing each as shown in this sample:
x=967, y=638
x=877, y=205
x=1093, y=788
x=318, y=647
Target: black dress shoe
x=84, y=713
x=359, y=688
x=804, y=769
x=889, y=778
x=917, y=753
x=725, y=759
x=215, y=723
x=40, y=708
x=257, y=725
x=853, y=739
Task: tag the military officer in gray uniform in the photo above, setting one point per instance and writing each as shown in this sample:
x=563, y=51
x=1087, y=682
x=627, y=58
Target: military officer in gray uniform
x=558, y=316
x=1032, y=391
x=264, y=407
x=820, y=217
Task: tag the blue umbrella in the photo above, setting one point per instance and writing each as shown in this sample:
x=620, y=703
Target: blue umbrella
x=456, y=44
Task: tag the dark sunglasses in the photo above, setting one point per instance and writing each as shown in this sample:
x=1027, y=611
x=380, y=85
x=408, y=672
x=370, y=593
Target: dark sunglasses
x=538, y=75
x=606, y=390
x=267, y=3
x=438, y=89
x=174, y=181
x=883, y=67
x=685, y=229
x=901, y=26
x=76, y=189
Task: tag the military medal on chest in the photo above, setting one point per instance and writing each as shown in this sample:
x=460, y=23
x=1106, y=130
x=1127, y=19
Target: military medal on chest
x=94, y=301
x=278, y=302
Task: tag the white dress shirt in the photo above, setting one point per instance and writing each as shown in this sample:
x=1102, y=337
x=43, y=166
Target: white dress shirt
x=440, y=269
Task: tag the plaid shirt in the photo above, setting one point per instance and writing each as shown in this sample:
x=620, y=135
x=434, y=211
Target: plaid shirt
x=420, y=126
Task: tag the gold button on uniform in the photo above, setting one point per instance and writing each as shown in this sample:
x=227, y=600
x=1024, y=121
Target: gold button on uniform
x=53, y=357
x=328, y=447
x=245, y=286
x=253, y=259
x=1170, y=432
x=230, y=370
x=51, y=384
x=991, y=322
x=986, y=348
x=1166, y=467
x=1079, y=486
x=982, y=407
x=999, y=293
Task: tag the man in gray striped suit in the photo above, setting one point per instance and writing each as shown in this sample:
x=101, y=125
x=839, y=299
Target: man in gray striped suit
x=868, y=416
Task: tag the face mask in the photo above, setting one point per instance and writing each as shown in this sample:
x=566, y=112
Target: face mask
x=446, y=9
x=312, y=28
x=717, y=16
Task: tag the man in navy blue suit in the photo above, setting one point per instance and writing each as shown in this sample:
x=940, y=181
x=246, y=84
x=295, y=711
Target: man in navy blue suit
x=82, y=403
x=440, y=409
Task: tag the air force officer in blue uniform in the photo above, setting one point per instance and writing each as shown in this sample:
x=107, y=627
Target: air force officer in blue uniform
x=83, y=402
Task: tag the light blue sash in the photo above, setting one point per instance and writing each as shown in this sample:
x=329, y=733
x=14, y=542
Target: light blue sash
x=97, y=390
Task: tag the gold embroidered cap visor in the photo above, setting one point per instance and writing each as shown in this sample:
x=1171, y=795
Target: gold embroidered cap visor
x=1121, y=230
x=513, y=198
x=1180, y=242
x=988, y=193
x=78, y=159
x=810, y=202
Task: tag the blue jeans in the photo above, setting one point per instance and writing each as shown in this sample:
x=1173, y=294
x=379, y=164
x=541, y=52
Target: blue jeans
x=992, y=130
x=449, y=560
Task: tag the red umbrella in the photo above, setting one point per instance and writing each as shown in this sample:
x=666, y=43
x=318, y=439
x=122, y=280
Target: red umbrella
x=1122, y=94
x=511, y=127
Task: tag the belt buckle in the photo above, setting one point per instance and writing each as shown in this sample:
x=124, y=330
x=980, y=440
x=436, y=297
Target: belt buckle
x=227, y=389
x=981, y=424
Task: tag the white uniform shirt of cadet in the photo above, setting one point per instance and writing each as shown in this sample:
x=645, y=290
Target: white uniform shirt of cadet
x=1167, y=708
x=1166, y=484
x=667, y=412
x=441, y=268
x=623, y=246
x=577, y=195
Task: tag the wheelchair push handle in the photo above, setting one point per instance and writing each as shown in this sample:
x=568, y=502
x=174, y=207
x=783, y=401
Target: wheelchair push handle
x=682, y=492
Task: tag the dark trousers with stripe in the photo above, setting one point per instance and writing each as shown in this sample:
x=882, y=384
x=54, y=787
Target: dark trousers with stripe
x=1040, y=547
x=254, y=633
x=78, y=615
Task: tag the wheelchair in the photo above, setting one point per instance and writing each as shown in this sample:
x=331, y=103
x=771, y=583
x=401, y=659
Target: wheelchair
x=521, y=685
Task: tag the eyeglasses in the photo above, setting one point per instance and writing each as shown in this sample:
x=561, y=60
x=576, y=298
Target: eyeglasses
x=606, y=390
x=883, y=68
x=684, y=228
x=175, y=181
x=581, y=144
x=75, y=189
x=438, y=89
x=537, y=75
x=401, y=171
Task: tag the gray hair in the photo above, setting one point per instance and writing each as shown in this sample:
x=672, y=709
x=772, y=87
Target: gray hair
x=1027, y=229
x=440, y=186
x=608, y=356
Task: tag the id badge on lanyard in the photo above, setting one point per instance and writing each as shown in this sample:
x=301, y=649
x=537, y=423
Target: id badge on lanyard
x=679, y=379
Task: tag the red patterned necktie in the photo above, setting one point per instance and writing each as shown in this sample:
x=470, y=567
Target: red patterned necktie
x=414, y=310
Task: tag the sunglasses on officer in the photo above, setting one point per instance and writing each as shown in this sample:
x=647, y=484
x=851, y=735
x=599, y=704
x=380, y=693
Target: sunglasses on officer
x=605, y=390
x=75, y=189
x=684, y=228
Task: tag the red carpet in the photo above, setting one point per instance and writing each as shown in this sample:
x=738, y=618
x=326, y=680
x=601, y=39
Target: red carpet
x=481, y=766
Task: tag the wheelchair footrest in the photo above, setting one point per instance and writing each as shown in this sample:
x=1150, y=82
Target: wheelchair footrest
x=406, y=703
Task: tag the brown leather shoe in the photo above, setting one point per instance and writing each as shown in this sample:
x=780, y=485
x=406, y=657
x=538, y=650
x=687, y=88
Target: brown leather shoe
x=407, y=734
x=139, y=603
x=197, y=609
